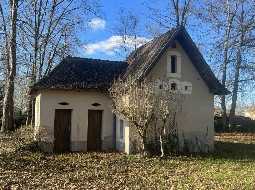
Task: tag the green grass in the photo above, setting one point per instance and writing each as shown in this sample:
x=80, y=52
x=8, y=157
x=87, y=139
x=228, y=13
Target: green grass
x=232, y=166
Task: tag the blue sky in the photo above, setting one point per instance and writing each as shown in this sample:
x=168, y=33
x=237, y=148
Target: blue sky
x=101, y=40
x=105, y=31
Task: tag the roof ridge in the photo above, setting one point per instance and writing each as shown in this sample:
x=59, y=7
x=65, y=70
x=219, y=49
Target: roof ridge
x=92, y=59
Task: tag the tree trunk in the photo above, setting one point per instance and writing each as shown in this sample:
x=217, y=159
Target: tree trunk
x=235, y=88
x=8, y=105
x=224, y=76
x=144, y=149
x=237, y=69
x=161, y=146
x=29, y=110
x=229, y=23
x=29, y=105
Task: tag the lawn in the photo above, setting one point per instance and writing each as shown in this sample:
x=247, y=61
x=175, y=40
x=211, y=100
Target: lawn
x=232, y=166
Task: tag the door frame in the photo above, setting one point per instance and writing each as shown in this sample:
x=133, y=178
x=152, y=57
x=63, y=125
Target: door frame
x=101, y=134
x=71, y=113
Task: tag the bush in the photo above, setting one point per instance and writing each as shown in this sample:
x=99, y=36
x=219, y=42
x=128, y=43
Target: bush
x=241, y=124
x=19, y=119
x=153, y=147
x=170, y=145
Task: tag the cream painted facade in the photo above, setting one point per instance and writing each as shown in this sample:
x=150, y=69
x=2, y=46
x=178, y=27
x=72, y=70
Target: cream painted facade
x=79, y=103
x=195, y=122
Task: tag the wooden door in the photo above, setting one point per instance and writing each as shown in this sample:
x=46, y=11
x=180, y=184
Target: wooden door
x=94, y=130
x=62, y=130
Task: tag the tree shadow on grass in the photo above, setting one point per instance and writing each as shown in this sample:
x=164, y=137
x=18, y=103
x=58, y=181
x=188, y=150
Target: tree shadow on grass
x=240, y=152
x=234, y=151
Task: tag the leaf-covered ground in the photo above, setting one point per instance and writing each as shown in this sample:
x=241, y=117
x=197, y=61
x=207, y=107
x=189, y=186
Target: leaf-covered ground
x=22, y=167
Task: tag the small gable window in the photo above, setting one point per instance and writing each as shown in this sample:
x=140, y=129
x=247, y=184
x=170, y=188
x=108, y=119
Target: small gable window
x=96, y=104
x=173, y=86
x=63, y=103
x=186, y=87
x=173, y=64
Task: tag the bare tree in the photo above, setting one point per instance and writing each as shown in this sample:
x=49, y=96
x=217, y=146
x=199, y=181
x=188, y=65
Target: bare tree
x=168, y=105
x=47, y=34
x=181, y=11
x=174, y=13
x=226, y=46
x=143, y=104
x=8, y=103
x=134, y=101
x=245, y=25
x=233, y=22
x=127, y=26
x=221, y=18
x=1, y=98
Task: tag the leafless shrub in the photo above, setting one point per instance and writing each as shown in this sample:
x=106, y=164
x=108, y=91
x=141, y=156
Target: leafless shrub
x=145, y=103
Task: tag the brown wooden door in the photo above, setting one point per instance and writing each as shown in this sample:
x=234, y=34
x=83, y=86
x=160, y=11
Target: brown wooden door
x=62, y=130
x=94, y=130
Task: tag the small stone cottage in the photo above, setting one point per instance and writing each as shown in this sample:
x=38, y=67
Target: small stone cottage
x=73, y=111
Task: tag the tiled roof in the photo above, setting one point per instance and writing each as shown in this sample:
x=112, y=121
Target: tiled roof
x=82, y=73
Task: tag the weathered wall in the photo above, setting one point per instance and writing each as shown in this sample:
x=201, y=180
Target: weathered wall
x=195, y=122
x=80, y=103
x=122, y=144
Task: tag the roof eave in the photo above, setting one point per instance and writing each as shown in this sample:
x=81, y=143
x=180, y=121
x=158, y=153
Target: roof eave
x=223, y=91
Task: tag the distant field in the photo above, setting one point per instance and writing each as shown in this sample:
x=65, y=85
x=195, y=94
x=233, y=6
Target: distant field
x=232, y=166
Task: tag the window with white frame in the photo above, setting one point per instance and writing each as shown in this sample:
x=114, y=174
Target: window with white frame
x=174, y=64
x=121, y=129
x=173, y=86
x=186, y=87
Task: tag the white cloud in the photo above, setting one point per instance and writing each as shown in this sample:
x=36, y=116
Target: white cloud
x=114, y=44
x=97, y=23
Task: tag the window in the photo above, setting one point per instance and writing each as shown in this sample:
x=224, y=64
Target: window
x=96, y=104
x=121, y=129
x=173, y=86
x=186, y=87
x=174, y=60
x=173, y=64
x=63, y=103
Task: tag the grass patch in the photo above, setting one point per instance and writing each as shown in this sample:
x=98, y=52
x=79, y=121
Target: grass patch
x=232, y=166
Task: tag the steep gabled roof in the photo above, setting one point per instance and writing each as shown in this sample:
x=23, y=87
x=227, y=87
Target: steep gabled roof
x=144, y=58
x=82, y=73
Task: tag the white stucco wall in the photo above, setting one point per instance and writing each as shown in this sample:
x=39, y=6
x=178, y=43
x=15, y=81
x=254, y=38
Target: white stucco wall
x=195, y=122
x=122, y=144
x=80, y=103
